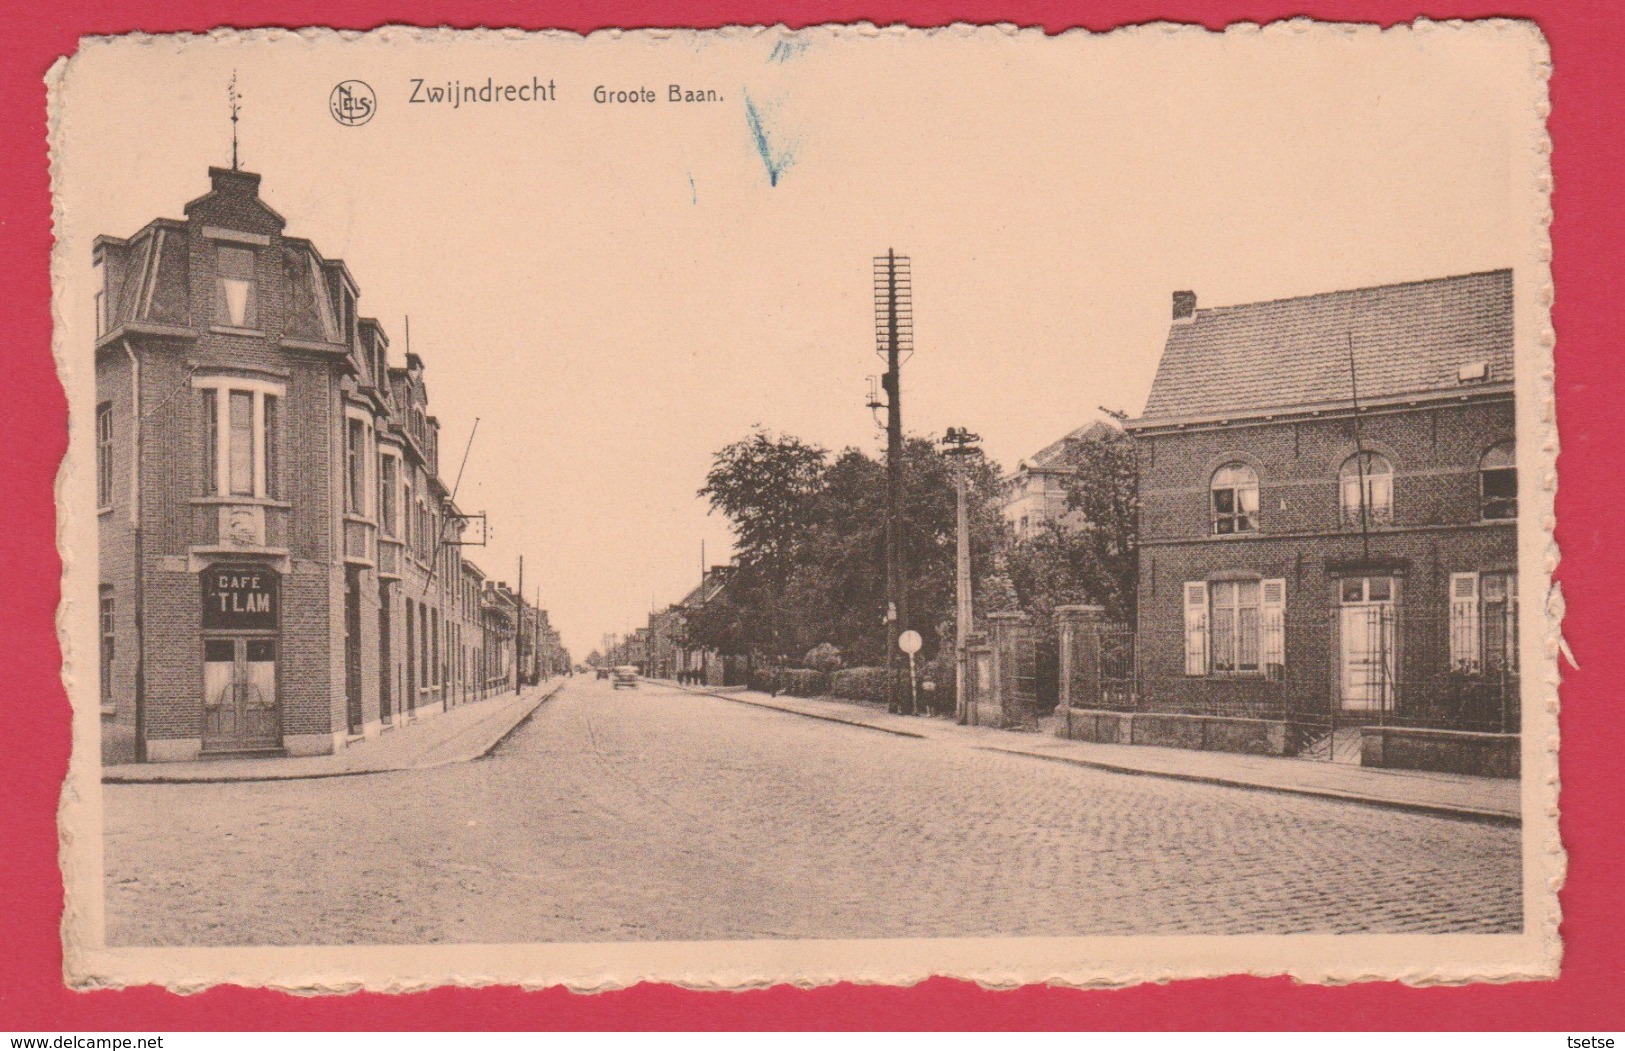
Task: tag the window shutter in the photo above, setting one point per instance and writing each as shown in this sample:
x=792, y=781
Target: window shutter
x=1272, y=606
x=1196, y=628
x=1464, y=652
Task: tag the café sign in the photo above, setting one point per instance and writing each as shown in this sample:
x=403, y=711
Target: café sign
x=241, y=597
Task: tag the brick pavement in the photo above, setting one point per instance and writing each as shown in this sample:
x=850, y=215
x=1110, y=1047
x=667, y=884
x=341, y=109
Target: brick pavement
x=655, y=814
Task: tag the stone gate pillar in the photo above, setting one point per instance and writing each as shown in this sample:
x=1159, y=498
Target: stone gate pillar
x=1015, y=667
x=978, y=658
x=1079, y=630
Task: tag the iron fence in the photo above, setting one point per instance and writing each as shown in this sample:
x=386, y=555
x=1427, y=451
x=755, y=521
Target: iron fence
x=1362, y=664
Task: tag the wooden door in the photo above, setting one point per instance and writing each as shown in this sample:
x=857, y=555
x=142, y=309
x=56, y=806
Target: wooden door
x=241, y=711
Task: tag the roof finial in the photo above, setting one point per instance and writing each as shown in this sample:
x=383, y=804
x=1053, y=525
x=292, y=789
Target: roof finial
x=231, y=94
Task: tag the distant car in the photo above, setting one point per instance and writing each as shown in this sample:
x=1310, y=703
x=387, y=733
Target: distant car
x=603, y=673
x=625, y=675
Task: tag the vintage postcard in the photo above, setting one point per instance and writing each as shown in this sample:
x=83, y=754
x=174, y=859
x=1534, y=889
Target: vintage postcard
x=854, y=503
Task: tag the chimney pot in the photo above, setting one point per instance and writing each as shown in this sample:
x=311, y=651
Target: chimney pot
x=1184, y=306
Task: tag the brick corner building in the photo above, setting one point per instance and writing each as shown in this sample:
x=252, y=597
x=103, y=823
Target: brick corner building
x=279, y=559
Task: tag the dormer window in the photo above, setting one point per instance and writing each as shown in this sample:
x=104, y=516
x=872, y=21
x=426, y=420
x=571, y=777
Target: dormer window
x=1235, y=499
x=235, y=299
x=100, y=285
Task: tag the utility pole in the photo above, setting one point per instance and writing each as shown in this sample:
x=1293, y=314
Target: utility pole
x=519, y=630
x=960, y=444
x=894, y=338
x=1359, y=453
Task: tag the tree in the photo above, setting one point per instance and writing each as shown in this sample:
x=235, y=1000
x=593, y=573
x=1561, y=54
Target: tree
x=1088, y=559
x=1092, y=558
x=1104, y=489
x=838, y=589
x=765, y=484
x=810, y=568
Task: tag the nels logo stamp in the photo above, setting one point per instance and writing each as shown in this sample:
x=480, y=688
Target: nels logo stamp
x=352, y=103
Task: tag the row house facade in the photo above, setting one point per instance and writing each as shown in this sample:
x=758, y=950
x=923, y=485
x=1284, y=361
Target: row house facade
x=669, y=655
x=1328, y=509
x=540, y=651
x=280, y=567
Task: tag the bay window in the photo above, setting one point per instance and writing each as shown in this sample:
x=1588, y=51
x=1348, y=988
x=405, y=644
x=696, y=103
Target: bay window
x=355, y=466
x=388, y=480
x=240, y=421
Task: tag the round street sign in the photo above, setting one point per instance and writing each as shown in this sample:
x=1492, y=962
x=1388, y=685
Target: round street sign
x=909, y=642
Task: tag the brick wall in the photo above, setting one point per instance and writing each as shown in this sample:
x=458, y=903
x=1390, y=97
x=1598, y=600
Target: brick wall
x=1436, y=531
x=116, y=547
x=1435, y=453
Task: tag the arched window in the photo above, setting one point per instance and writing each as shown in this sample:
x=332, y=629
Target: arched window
x=1235, y=499
x=1498, y=482
x=1366, y=485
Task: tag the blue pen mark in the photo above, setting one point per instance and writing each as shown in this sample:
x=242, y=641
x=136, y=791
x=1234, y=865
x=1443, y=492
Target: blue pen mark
x=776, y=160
x=693, y=191
x=785, y=50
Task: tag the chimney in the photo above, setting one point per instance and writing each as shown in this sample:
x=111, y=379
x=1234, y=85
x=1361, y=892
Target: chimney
x=1184, y=306
x=231, y=182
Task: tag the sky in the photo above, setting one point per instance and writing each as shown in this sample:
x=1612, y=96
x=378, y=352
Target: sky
x=615, y=291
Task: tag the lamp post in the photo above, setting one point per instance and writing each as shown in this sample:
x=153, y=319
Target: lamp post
x=960, y=443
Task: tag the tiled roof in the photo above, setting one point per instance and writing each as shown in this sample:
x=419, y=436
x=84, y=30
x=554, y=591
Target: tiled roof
x=704, y=592
x=1411, y=338
x=1054, y=454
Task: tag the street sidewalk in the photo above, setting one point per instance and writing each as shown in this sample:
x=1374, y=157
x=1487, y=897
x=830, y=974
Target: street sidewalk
x=1455, y=795
x=466, y=732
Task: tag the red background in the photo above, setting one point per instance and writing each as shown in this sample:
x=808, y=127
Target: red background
x=1589, y=148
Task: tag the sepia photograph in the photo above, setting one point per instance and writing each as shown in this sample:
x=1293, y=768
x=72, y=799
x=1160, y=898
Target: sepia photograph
x=848, y=504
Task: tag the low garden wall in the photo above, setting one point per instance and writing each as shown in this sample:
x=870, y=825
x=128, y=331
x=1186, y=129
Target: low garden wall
x=1447, y=751
x=1209, y=733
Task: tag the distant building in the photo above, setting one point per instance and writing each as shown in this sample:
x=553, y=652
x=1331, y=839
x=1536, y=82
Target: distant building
x=499, y=615
x=1304, y=559
x=1034, y=494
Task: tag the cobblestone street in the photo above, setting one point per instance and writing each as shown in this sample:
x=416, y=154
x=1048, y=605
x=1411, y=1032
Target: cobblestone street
x=655, y=814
